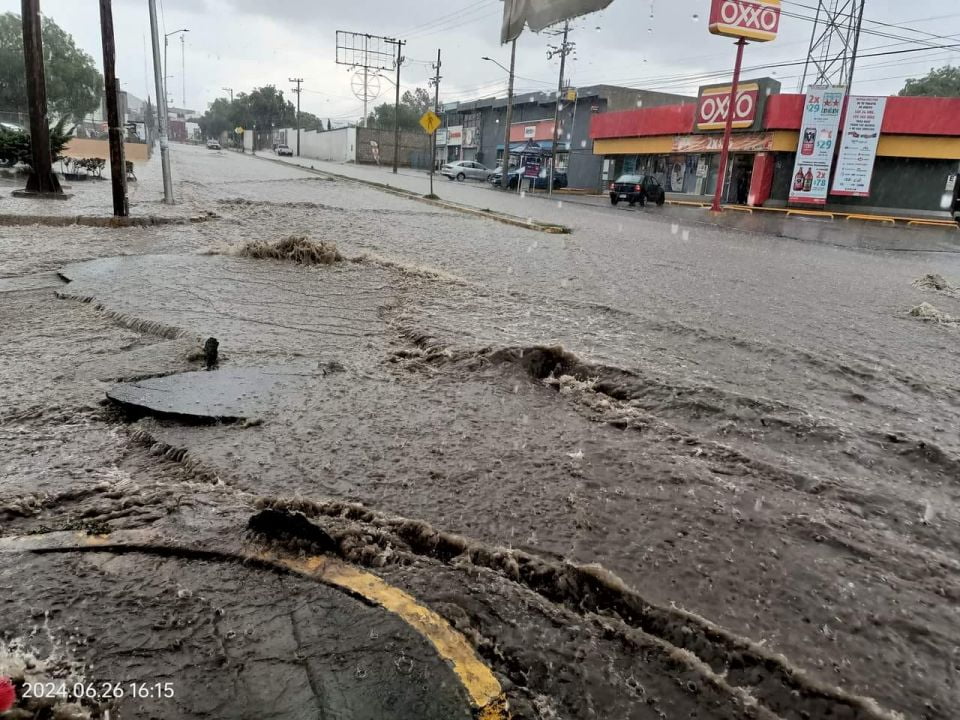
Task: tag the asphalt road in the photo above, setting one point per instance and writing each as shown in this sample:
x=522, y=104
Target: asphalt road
x=750, y=428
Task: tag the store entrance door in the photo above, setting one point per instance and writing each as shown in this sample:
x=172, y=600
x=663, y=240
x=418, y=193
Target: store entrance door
x=738, y=179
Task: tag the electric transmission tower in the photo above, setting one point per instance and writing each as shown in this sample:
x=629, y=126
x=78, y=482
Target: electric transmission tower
x=833, y=43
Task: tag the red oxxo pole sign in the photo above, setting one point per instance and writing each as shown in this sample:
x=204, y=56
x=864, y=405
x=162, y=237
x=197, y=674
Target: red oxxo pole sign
x=757, y=20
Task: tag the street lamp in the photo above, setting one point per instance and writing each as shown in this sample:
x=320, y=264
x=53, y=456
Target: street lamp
x=166, y=44
x=505, y=164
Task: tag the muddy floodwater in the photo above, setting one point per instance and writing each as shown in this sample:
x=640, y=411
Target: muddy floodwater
x=649, y=469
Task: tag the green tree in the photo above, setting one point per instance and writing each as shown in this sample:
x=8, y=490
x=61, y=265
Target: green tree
x=329, y=124
x=74, y=85
x=942, y=82
x=309, y=121
x=412, y=106
x=220, y=117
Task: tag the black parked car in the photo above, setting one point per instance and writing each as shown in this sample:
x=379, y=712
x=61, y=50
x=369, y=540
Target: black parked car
x=637, y=189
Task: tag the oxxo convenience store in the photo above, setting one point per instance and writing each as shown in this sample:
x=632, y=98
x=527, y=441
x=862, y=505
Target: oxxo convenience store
x=914, y=168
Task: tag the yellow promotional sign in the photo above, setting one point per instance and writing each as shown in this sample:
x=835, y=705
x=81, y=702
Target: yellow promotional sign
x=430, y=122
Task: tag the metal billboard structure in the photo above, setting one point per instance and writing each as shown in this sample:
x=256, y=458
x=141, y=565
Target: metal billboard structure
x=833, y=43
x=371, y=54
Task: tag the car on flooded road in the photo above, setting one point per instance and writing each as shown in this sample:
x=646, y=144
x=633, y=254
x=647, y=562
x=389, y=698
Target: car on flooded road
x=284, y=150
x=637, y=189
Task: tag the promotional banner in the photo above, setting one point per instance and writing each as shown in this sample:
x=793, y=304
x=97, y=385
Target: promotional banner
x=858, y=148
x=818, y=139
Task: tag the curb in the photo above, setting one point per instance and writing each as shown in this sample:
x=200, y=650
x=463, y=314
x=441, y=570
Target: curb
x=99, y=221
x=488, y=214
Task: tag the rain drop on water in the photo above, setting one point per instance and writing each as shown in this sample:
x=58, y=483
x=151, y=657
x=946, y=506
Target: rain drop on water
x=695, y=17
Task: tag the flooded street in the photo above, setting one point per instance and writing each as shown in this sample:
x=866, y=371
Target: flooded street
x=648, y=469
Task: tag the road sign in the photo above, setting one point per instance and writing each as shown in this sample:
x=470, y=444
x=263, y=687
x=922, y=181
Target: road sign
x=238, y=130
x=430, y=122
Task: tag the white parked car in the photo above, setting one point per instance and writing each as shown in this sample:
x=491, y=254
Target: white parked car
x=464, y=169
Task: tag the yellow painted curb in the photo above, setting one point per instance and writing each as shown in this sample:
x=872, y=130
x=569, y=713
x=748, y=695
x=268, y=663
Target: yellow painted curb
x=478, y=680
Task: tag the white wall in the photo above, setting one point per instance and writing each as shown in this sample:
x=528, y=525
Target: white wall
x=248, y=140
x=332, y=145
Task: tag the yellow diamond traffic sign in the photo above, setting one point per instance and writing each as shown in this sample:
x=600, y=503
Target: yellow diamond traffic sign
x=430, y=122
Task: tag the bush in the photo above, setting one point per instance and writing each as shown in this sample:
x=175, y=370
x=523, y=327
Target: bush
x=15, y=145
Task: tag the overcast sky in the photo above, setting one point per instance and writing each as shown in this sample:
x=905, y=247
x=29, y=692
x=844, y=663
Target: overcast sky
x=653, y=44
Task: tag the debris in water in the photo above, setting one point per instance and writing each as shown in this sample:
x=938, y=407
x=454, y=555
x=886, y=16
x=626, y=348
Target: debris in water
x=298, y=248
x=578, y=455
x=926, y=311
x=933, y=281
x=288, y=526
x=929, y=514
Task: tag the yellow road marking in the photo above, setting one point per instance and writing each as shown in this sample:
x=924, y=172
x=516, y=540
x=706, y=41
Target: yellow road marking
x=477, y=679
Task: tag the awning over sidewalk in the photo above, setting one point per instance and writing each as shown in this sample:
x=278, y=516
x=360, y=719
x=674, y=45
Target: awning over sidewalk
x=541, y=146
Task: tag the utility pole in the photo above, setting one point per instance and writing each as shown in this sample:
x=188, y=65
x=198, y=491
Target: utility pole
x=229, y=90
x=298, y=81
x=505, y=165
x=564, y=50
x=435, y=81
x=161, y=106
x=365, y=78
x=396, y=106
x=41, y=178
x=118, y=166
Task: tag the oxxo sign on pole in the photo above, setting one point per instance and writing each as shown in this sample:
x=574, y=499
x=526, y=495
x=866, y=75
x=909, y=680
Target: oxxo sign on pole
x=757, y=20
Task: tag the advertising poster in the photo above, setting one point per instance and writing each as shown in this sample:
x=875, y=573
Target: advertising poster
x=818, y=139
x=858, y=148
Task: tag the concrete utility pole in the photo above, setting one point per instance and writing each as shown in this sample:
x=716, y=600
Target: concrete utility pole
x=229, y=90
x=161, y=106
x=111, y=89
x=41, y=179
x=299, y=82
x=564, y=50
x=435, y=81
x=396, y=106
x=505, y=165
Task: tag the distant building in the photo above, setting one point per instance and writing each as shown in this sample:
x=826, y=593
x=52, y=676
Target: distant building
x=474, y=130
x=175, y=113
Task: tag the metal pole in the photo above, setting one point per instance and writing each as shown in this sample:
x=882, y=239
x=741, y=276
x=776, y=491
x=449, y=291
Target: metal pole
x=396, y=112
x=505, y=164
x=365, y=76
x=41, y=178
x=161, y=107
x=556, y=109
x=183, y=71
x=856, y=45
x=728, y=130
x=118, y=166
x=433, y=135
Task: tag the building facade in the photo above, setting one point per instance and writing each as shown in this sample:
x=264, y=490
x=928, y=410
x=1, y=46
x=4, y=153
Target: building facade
x=915, y=171
x=475, y=130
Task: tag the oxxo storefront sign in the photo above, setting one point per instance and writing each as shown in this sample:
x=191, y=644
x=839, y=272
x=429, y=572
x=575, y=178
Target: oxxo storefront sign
x=757, y=20
x=713, y=105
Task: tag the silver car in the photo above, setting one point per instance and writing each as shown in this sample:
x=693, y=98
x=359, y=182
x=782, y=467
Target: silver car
x=463, y=169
